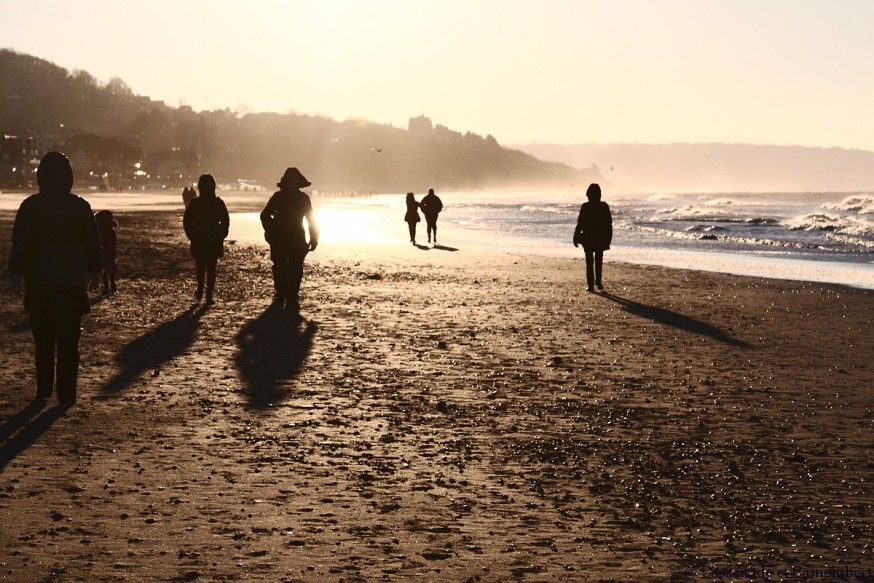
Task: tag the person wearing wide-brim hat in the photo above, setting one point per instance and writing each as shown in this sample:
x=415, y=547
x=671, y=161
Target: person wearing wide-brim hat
x=283, y=219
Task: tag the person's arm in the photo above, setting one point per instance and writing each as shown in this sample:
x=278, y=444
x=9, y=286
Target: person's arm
x=188, y=221
x=267, y=214
x=578, y=230
x=22, y=240
x=91, y=240
x=609, y=225
x=313, y=228
x=267, y=219
x=224, y=219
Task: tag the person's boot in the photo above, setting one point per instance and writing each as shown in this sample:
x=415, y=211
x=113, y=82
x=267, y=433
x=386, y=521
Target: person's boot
x=199, y=293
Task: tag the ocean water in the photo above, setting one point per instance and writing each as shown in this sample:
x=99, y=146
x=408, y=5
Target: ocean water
x=821, y=237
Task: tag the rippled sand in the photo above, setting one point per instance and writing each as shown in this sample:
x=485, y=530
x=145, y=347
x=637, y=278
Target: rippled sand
x=441, y=414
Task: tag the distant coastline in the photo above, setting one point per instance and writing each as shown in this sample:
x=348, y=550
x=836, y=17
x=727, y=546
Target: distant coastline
x=685, y=168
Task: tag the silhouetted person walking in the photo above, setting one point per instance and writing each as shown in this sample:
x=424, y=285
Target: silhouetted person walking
x=282, y=220
x=412, y=216
x=594, y=232
x=55, y=246
x=206, y=223
x=188, y=194
x=106, y=226
x=431, y=206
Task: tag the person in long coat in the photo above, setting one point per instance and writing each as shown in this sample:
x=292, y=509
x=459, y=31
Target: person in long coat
x=412, y=216
x=56, y=248
x=206, y=224
x=594, y=231
x=283, y=221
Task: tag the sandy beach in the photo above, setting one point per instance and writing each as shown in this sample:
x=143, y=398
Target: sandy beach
x=441, y=414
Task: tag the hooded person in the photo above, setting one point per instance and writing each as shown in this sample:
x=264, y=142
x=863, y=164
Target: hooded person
x=283, y=221
x=206, y=224
x=594, y=231
x=56, y=248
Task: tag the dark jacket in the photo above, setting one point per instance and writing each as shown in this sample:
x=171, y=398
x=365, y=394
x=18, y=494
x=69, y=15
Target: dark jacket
x=412, y=215
x=55, y=246
x=594, y=226
x=282, y=219
x=206, y=223
x=431, y=206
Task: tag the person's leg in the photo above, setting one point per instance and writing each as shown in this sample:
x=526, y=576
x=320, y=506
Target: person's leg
x=69, y=329
x=211, y=268
x=200, y=273
x=278, y=257
x=435, y=230
x=105, y=282
x=277, y=278
x=295, y=278
x=599, y=264
x=42, y=326
x=590, y=269
x=112, y=287
x=412, y=226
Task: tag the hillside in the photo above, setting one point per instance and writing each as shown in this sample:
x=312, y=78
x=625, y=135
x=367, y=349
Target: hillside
x=116, y=129
x=718, y=167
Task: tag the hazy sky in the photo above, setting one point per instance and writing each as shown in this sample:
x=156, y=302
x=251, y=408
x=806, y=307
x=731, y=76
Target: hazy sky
x=564, y=71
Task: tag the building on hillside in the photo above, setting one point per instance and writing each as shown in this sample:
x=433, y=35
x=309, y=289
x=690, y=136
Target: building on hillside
x=173, y=166
x=102, y=163
x=18, y=162
x=420, y=124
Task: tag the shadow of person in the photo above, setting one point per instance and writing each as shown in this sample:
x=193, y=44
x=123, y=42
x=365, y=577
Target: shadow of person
x=272, y=350
x=17, y=421
x=422, y=247
x=444, y=247
x=675, y=320
x=155, y=347
x=29, y=429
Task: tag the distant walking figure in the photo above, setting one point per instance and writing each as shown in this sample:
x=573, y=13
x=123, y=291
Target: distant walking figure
x=106, y=224
x=594, y=232
x=412, y=216
x=55, y=246
x=282, y=220
x=431, y=206
x=188, y=194
x=206, y=223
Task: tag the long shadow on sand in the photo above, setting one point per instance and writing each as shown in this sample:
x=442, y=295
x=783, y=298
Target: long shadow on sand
x=675, y=320
x=29, y=428
x=155, y=347
x=273, y=348
x=429, y=247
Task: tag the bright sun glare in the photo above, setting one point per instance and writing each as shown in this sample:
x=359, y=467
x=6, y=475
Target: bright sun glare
x=338, y=223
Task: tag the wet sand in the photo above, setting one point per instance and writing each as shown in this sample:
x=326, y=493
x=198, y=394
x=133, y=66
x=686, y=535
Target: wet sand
x=440, y=414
